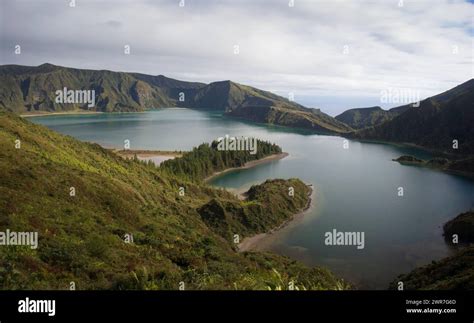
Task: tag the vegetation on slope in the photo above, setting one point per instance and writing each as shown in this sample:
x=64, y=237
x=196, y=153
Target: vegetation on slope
x=268, y=205
x=310, y=119
x=205, y=160
x=32, y=89
x=81, y=237
x=435, y=124
x=462, y=226
x=366, y=117
x=252, y=104
x=454, y=272
x=463, y=166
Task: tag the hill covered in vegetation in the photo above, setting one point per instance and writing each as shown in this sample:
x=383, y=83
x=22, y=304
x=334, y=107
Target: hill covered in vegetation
x=435, y=124
x=461, y=166
x=283, y=115
x=105, y=222
x=33, y=89
x=29, y=89
x=462, y=226
x=267, y=205
x=454, y=272
x=359, y=118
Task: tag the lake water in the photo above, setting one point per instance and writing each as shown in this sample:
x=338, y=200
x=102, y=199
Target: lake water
x=356, y=189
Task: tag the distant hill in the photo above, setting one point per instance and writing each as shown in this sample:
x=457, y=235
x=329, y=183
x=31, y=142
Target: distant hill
x=32, y=89
x=452, y=273
x=434, y=124
x=312, y=119
x=265, y=107
x=27, y=89
x=359, y=118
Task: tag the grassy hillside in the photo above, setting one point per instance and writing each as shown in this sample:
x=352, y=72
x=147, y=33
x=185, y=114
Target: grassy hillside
x=434, y=124
x=267, y=206
x=455, y=272
x=310, y=119
x=81, y=237
x=463, y=226
x=228, y=95
x=32, y=89
x=366, y=117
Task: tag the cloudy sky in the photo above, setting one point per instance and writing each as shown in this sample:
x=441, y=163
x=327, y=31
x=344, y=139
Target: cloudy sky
x=333, y=54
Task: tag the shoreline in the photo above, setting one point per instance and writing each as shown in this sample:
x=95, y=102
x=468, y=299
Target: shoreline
x=426, y=164
x=73, y=112
x=248, y=165
x=128, y=153
x=252, y=243
x=86, y=112
x=433, y=152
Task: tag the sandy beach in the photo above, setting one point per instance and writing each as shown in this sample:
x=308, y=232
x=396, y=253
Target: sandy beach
x=250, y=164
x=259, y=241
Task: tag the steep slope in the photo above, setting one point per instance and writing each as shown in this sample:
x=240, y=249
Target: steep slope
x=81, y=235
x=452, y=273
x=228, y=95
x=172, y=88
x=265, y=107
x=205, y=160
x=455, y=272
x=434, y=124
x=462, y=226
x=32, y=89
x=365, y=117
x=310, y=119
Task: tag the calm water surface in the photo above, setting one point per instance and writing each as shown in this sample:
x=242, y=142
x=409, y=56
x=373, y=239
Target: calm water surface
x=355, y=188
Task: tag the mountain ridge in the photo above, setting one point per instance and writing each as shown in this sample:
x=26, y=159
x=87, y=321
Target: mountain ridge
x=30, y=89
x=442, y=123
x=359, y=118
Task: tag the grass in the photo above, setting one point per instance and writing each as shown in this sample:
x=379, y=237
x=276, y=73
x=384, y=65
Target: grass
x=81, y=237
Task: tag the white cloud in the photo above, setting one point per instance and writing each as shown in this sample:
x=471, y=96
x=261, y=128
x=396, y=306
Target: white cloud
x=283, y=49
